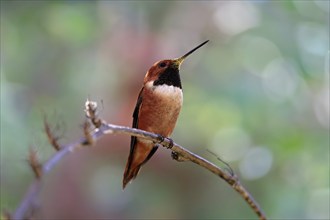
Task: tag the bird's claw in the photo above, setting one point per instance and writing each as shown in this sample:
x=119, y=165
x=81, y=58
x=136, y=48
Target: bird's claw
x=176, y=156
x=161, y=139
x=171, y=144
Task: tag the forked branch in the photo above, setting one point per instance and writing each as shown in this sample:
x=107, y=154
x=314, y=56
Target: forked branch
x=101, y=129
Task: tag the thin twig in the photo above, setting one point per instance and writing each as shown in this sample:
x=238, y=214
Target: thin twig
x=182, y=152
x=34, y=163
x=92, y=113
x=53, y=140
x=87, y=133
x=228, y=167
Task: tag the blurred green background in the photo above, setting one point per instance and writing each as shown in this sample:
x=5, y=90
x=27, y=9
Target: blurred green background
x=257, y=95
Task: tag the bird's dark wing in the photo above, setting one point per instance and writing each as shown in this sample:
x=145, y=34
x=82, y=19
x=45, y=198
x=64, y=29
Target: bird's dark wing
x=137, y=109
x=134, y=125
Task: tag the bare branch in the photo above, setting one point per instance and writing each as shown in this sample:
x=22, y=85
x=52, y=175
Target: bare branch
x=26, y=207
x=178, y=152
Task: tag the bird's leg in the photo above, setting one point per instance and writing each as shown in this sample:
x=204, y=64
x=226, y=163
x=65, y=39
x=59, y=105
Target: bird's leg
x=175, y=156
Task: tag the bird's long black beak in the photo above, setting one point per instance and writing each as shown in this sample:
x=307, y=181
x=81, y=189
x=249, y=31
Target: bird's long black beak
x=180, y=60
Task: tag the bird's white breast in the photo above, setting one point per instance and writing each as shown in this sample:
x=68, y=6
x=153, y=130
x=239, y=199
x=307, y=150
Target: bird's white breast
x=167, y=92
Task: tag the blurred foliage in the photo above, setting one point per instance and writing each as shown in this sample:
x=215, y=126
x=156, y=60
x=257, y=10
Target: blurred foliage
x=257, y=95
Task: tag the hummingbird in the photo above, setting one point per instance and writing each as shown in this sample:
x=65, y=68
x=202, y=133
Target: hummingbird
x=157, y=110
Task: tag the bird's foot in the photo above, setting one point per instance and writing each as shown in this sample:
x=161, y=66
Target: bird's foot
x=161, y=139
x=176, y=156
x=171, y=144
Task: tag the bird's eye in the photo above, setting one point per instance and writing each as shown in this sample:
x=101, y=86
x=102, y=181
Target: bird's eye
x=162, y=64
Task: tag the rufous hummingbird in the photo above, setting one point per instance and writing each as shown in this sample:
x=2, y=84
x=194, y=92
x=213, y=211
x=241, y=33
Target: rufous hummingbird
x=157, y=110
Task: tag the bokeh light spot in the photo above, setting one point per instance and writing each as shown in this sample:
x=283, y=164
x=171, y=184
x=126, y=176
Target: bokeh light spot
x=227, y=20
x=256, y=52
x=318, y=204
x=280, y=79
x=256, y=163
x=313, y=38
x=231, y=143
